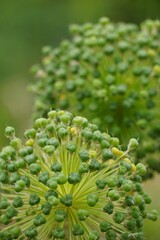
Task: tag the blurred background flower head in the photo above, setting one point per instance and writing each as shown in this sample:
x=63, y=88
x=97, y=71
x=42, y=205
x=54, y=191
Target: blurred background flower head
x=28, y=26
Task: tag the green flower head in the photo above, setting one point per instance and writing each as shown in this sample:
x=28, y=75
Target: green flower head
x=70, y=181
x=110, y=72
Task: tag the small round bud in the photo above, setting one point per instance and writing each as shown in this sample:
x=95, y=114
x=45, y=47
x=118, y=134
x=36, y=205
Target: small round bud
x=92, y=199
x=52, y=183
x=60, y=215
x=58, y=233
x=108, y=208
x=9, y=131
x=19, y=185
x=77, y=230
x=31, y=232
x=34, y=199
x=141, y=169
x=17, y=202
x=66, y=200
x=84, y=155
x=43, y=177
x=61, y=179
x=49, y=149
x=133, y=143
x=104, y=226
x=56, y=167
x=41, y=123
x=113, y=195
x=94, y=235
x=74, y=178
x=34, y=168
x=82, y=214
x=46, y=208
x=39, y=220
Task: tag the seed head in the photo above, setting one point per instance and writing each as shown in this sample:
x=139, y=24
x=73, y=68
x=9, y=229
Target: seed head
x=79, y=188
x=110, y=72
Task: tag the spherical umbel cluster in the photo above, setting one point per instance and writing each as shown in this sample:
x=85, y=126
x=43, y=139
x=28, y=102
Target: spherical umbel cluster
x=70, y=181
x=111, y=74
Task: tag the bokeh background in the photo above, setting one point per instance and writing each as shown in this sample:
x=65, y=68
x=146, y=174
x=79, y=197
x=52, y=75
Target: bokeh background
x=27, y=26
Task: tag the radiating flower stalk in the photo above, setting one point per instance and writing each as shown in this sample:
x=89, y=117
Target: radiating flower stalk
x=110, y=72
x=70, y=181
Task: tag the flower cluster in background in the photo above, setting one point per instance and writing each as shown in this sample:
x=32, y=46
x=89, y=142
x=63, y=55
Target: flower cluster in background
x=70, y=180
x=110, y=73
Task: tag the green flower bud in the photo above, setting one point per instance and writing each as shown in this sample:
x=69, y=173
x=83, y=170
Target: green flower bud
x=82, y=214
x=19, y=185
x=34, y=199
x=52, y=183
x=46, y=208
x=61, y=179
x=62, y=132
x=106, y=154
x=11, y=212
x=104, y=226
x=101, y=183
x=39, y=220
x=31, y=232
x=29, y=159
x=17, y=202
x=15, y=232
x=74, y=178
x=54, y=201
x=127, y=185
x=141, y=169
x=84, y=155
x=26, y=180
x=49, y=149
x=51, y=193
x=4, y=219
x=111, y=234
x=77, y=230
x=34, y=168
x=66, y=200
x=83, y=168
x=92, y=199
x=60, y=215
x=71, y=147
x=43, y=177
x=41, y=123
x=109, y=208
x=14, y=177
x=113, y=195
x=9, y=131
x=119, y=217
x=58, y=233
x=4, y=203
x=56, y=167
x=133, y=143
x=31, y=133
x=3, y=177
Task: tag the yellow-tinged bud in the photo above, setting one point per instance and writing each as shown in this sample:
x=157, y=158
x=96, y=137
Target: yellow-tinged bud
x=111, y=161
x=73, y=130
x=151, y=52
x=92, y=153
x=29, y=142
x=156, y=69
x=117, y=152
x=127, y=160
x=133, y=169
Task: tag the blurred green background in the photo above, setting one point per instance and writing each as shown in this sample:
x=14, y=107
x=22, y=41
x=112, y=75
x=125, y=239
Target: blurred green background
x=26, y=26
